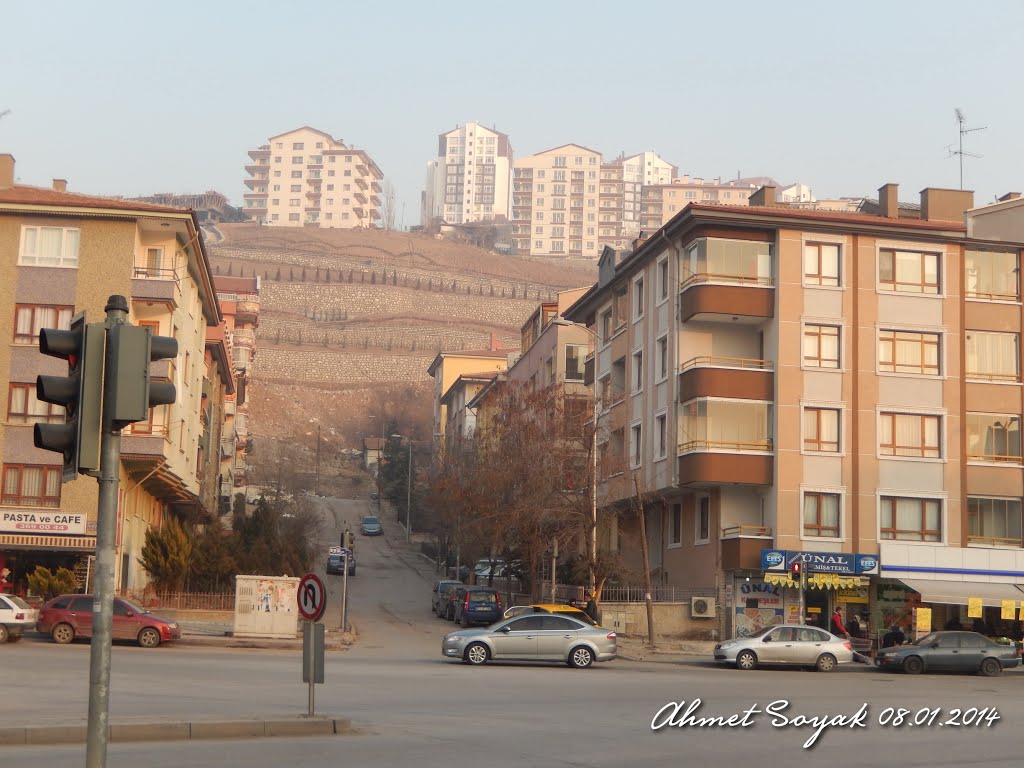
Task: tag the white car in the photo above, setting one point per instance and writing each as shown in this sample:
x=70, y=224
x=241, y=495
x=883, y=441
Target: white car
x=15, y=617
x=792, y=644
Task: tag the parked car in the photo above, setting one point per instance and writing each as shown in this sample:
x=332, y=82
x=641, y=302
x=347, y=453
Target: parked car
x=370, y=526
x=15, y=617
x=554, y=608
x=792, y=644
x=477, y=605
x=336, y=557
x=447, y=610
x=950, y=652
x=438, y=595
x=532, y=637
x=67, y=617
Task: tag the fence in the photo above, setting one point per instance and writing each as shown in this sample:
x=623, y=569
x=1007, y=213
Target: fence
x=659, y=594
x=188, y=601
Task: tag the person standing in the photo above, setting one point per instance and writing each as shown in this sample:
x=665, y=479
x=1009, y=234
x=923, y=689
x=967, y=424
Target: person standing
x=593, y=610
x=836, y=625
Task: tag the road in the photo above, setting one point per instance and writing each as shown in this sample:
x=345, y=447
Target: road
x=410, y=706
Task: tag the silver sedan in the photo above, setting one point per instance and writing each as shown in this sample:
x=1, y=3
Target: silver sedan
x=533, y=637
x=791, y=644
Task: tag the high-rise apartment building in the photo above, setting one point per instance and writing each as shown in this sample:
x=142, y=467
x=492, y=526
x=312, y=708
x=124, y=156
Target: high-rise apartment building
x=839, y=388
x=63, y=253
x=664, y=200
x=308, y=178
x=623, y=182
x=471, y=177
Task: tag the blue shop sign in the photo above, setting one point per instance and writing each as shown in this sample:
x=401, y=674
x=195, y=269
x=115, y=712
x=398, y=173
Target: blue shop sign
x=847, y=563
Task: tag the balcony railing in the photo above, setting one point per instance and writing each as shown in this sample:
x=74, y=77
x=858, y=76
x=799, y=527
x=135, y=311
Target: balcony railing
x=761, y=446
x=995, y=458
x=716, y=277
x=994, y=541
x=746, y=531
x=155, y=273
x=717, y=361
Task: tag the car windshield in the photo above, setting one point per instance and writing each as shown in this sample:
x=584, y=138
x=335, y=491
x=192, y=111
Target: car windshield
x=133, y=607
x=371, y=521
x=927, y=639
x=18, y=602
x=763, y=631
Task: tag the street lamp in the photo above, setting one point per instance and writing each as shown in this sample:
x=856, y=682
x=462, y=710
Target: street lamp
x=593, y=458
x=408, y=489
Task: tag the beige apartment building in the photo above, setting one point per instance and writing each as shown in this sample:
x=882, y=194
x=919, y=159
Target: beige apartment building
x=63, y=253
x=470, y=180
x=840, y=388
x=307, y=177
x=623, y=182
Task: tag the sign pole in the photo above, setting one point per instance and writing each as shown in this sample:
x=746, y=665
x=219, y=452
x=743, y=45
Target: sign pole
x=344, y=592
x=803, y=597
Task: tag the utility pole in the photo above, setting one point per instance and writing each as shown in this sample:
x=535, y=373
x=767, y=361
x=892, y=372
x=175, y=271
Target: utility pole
x=408, y=498
x=647, y=562
x=316, y=489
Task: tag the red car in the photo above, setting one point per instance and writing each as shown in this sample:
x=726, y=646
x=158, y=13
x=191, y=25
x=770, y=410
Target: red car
x=69, y=616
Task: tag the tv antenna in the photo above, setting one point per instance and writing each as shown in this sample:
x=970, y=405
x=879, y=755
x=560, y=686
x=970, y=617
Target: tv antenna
x=961, y=120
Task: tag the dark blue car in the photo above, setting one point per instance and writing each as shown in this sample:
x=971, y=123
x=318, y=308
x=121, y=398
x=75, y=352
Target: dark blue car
x=477, y=605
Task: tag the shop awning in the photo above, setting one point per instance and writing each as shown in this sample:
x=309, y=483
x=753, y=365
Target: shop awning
x=957, y=592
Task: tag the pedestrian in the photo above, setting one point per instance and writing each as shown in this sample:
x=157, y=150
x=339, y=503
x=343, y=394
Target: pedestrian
x=593, y=610
x=893, y=637
x=347, y=539
x=837, y=627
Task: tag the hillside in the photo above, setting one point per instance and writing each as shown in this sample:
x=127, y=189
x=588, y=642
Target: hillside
x=347, y=315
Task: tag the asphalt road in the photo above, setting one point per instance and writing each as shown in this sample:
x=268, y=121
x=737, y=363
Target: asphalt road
x=412, y=707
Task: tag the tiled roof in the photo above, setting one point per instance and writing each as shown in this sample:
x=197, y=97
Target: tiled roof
x=21, y=194
x=228, y=284
x=840, y=217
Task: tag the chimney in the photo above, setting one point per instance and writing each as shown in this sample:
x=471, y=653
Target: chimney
x=60, y=185
x=765, y=196
x=639, y=240
x=6, y=171
x=945, y=204
x=888, y=201
x=1009, y=196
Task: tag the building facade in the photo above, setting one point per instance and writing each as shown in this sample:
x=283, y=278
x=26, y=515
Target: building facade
x=63, y=253
x=470, y=179
x=822, y=384
x=306, y=177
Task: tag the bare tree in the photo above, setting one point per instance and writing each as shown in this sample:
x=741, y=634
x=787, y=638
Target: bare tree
x=388, y=206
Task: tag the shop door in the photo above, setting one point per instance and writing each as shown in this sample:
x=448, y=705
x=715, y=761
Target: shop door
x=818, y=599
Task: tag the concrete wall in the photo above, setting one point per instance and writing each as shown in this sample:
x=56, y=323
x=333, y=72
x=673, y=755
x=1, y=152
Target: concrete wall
x=671, y=620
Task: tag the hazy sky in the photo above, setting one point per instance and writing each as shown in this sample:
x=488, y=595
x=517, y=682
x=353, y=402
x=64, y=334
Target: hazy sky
x=136, y=98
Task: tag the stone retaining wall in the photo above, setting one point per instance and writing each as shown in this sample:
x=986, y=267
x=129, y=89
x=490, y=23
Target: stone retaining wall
x=313, y=365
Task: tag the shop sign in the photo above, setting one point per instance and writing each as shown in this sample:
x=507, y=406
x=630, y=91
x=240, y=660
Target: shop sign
x=42, y=522
x=820, y=562
x=853, y=595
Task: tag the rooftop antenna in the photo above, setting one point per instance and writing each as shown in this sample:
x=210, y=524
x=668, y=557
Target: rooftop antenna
x=961, y=120
x=4, y=112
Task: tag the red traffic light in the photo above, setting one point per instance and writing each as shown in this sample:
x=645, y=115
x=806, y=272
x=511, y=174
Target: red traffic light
x=796, y=567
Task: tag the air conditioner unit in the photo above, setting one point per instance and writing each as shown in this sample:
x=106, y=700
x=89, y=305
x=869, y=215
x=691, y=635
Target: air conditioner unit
x=702, y=607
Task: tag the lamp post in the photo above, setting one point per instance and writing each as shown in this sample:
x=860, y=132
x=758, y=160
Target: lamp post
x=592, y=543
x=408, y=489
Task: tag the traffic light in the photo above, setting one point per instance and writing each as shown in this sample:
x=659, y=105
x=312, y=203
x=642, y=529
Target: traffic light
x=796, y=568
x=80, y=392
x=133, y=348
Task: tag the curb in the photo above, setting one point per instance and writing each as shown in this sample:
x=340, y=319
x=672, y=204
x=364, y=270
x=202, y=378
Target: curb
x=178, y=731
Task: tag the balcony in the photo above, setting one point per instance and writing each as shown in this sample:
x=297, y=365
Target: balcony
x=254, y=168
x=244, y=338
x=259, y=154
x=360, y=197
x=359, y=212
x=247, y=309
x=155, y=284
x=742, y=545
x=376, y=187
x=993, y=541
x=727, y=377
x=720, y=297
x=374, y=213
x=260, y=178
x=361, y=183
x=255, y=209
x=708, y=464
x=375, y=201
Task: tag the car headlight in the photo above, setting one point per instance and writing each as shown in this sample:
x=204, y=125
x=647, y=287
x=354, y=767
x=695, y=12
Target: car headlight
x=727, y=645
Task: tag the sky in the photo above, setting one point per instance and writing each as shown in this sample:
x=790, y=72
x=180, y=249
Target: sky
x=133, y=98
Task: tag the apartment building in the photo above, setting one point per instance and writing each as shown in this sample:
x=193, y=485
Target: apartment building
x=306, y=177
x=470, y=180
x=63, y=253
x=239, y=299
x=840, y=388
x=623, y=182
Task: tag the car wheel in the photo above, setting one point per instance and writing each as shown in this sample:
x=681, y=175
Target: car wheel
x=826, y=663
x=746, y=660
x=476, y=654
x=581, y=657
x=991, y=667
x=149, y=637
x=4, y=634
x=13, y=638
x=913, y=665
x=63, y=634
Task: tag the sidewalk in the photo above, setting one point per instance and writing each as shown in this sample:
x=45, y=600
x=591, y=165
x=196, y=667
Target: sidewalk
x=635, y=648
x=199, y=633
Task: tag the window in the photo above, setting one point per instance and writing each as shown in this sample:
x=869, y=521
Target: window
x=24, y=408
x=911, y=519
x=821, y=514
x=821, y=430
x=294, y=202
x=663, y=279
x=298, y=145
x=48, y=247
x=606, y=326
x=660, y=430
x=908, y=271
x=661, y=347
x=638, y=298
x=635, y=446
x=992, y=356
x=994, y=521
x=574, y=360
x=31, y=486
x=992, y=275
x=993, y=437
x=296, y=174
x=293, y=217
x=30, y=318
x=728, y=261
x=908, y=352
x=676, y=523
x=296, y=188
x=821, y=346
x=620, y=307
x=737, y=425
x=910, y=434
x=702, y=520
x=297, y=160
x=821, y=264
x=638, y=370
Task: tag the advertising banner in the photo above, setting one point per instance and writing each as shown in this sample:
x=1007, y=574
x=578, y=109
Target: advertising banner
x=42, y=521
x=848, y=563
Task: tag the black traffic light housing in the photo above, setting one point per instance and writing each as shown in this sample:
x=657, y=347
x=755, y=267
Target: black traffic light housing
x=80, y=392
x=796, y=568
x=133, y=393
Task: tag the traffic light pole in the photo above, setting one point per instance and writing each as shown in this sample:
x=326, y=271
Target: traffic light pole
x=106, y=527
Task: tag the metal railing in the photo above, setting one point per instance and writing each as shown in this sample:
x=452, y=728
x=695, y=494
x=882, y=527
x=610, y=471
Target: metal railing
x=188, y=601
x=995, y=541
x=995, y=458
x=726, y=445
x=744, y=531
x=717, y=361
x=155, y=273
x=715, y=277
x=659, y=593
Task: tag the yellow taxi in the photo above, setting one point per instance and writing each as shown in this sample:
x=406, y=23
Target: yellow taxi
x=561, y=610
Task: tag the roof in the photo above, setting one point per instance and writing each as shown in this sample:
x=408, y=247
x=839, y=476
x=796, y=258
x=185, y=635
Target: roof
x=465, y=378
x=563, y=146
x=839, y=217
x=307, y=128
x=495, y=353
x=235, y=284
x=22, y=194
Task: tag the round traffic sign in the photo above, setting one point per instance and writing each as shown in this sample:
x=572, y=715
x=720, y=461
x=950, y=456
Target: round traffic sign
x=312, y=597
